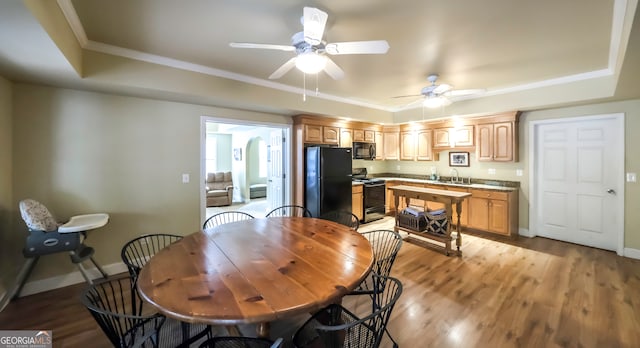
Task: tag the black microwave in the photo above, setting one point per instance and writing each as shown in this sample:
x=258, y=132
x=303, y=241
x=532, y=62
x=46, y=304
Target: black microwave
x=365, y=151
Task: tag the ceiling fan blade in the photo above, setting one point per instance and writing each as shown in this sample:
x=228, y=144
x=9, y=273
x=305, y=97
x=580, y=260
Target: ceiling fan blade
x=333, y=70
x=262, y=46
x=314, y=22
x=463, y=92
x=283, y=69
x=358, y=47
x=443, y=88
x=408, y=95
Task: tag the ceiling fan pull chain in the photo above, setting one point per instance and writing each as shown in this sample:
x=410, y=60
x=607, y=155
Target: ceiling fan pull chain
x=304, y=87
x=317, y=89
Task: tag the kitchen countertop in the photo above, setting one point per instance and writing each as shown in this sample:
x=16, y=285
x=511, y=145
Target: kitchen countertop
x=444, y=183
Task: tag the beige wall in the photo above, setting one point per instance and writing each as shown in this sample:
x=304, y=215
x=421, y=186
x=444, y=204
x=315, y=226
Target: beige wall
x=8, y=251
x=631, y=109
x=507, y=171
x=82, y=152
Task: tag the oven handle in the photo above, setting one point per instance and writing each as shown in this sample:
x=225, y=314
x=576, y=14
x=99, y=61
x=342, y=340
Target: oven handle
x=374, y=185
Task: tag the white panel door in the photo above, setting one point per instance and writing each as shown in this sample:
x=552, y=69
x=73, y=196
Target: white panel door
x=275, y=167
x=578, y=166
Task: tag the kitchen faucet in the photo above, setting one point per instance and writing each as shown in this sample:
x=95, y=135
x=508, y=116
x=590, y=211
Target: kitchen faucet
x=453, y=170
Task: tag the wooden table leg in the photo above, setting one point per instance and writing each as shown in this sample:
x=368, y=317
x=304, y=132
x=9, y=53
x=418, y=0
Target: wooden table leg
x=396, y=200
x=263, y=330
x=458, y=228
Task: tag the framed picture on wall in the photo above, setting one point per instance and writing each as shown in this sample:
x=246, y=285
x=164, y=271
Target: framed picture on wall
x=237, y=154
x=458, y=159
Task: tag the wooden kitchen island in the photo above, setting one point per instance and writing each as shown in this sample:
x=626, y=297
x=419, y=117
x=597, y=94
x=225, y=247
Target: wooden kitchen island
x=448, y=198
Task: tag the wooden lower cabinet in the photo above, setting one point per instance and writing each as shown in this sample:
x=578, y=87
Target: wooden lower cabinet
x=486, y=210
x=493, y=211
x=357, y=203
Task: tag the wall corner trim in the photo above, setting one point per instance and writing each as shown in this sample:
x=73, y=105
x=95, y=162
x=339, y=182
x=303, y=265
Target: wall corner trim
x=525, y=232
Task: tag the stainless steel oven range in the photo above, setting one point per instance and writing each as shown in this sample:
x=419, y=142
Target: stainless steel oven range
x=374, y=195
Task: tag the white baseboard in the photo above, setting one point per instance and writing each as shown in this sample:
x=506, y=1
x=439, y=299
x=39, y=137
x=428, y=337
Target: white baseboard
x=632, y=253
x=76, y=277
x=525, y=232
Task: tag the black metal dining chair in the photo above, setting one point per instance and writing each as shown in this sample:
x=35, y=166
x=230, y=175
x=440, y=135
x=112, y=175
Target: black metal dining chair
x=240, y=342
x=342, y=217
x=125, y=321
x=290, y=210
x=225, y=217
x=386, y=245
x=135, y=254
x=336, y=326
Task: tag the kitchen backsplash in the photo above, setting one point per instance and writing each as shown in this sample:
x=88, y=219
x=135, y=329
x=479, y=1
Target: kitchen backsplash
x=485, y=170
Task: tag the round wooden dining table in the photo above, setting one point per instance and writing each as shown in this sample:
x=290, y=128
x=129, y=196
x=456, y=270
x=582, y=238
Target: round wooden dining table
x=256, y=271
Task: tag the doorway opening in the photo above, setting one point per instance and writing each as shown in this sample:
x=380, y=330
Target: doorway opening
x=257, y=158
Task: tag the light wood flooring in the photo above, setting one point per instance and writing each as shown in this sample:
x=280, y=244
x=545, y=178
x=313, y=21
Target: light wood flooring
x=500, y=293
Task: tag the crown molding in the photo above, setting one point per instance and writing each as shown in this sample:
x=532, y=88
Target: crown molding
x=620, y=8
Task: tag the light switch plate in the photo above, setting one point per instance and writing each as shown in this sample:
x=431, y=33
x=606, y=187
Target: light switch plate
x=519, y=172
x=185, y=178
x=632, y=177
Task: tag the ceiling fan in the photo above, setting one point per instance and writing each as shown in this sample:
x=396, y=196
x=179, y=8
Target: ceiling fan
x=311, y=50
x=437, y=95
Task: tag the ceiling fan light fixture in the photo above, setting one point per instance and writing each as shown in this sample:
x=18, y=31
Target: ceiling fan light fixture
x=310, y=62
x=433, y=102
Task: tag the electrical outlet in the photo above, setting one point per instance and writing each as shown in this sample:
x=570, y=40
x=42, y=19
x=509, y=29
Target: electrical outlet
x=631, y=177
x=185, y=178
x=519, y=172
x=492, y=171
x=397, y=167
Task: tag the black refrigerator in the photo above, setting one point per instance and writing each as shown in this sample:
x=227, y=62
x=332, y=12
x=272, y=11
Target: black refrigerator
x=328, y=179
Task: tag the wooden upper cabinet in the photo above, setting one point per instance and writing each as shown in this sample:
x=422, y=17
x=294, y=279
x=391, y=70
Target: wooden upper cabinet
x=364, y=135
x=317, y=134
x=503, y=146
x=358, y=135
x=407, y=146
x=313, y=133
x=346, y=137
x=369, y=136
x=453, y=137
x=391, y=146
x=441, y=137
x=379, y=140
x=496, y=142
x=424, y=146
x=416, y=145
x=330, y=135
x=484, y=149
x=463, y=136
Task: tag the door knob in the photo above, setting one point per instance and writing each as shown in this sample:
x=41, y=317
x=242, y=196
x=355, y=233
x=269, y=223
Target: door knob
x=611, y=191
